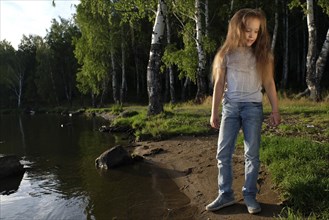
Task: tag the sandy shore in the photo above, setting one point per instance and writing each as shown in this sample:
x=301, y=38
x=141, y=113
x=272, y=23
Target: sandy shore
x=195, y=158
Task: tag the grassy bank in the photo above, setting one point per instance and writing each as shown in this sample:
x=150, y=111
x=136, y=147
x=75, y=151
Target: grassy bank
x=296, y=153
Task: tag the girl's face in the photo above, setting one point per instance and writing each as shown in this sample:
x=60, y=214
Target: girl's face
x=251, y=31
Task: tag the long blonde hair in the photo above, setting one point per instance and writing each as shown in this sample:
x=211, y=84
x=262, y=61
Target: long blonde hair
x=235, y=38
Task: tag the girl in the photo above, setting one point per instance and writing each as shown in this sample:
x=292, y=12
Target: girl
x=242, y=66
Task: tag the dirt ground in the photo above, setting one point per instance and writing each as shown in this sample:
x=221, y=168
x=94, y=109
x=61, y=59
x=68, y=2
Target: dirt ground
x=195, y=158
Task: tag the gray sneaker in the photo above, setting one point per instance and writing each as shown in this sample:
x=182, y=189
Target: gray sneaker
x=252, y=205
x=220, y=202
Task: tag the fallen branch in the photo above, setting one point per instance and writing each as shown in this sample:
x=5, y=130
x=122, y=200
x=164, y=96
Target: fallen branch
x=302, y=94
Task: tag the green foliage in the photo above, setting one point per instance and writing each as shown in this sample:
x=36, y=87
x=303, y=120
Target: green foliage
x=209, y=45
x=63, y=63
x=116, y=109
x=185, y=59
x=92, y=49
x=324, y=4
x=297, y=4
x=135, y=10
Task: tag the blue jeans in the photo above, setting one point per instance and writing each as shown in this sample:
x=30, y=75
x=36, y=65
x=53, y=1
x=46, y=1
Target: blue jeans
x=249, y=117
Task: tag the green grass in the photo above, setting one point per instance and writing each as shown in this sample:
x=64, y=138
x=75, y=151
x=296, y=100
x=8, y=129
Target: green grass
x=299, y=167
x=175, y=120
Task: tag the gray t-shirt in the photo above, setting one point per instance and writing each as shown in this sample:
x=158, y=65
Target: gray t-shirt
x=243, y=83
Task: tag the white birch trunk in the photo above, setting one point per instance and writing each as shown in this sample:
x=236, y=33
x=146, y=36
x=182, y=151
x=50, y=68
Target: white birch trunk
x=201, y=79
x=153, y=69
x=16, y=83
x=311, y=54
x=320, y=65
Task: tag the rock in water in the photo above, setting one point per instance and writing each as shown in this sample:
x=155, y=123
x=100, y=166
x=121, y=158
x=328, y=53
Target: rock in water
x=114, y=157
x=10, y=165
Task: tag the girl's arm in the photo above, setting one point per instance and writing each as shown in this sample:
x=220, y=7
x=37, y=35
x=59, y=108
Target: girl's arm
x=219, y=84
x=270, y=89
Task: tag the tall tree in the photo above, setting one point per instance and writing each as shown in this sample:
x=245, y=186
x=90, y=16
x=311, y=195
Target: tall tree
x=312, y=50
x=7, y=54
x=201, y=78
x=45, y=77
x=285, y=39
x=276, y=25
x=21, y=70
x=60, y=39
x=96, y=48
x=153, y=69
x=315, y=62
x=170, y=71
x=123, y=89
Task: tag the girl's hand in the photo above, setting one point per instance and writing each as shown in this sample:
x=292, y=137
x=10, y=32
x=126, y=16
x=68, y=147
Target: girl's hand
x=275, y=119
x=214, y=121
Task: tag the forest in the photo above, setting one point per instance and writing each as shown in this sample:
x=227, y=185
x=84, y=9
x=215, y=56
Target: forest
x=157, y=51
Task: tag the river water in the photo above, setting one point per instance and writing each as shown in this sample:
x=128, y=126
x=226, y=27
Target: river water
x=61, y=181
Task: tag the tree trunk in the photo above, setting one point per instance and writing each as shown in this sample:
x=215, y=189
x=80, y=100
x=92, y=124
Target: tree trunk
x=231, y=7
x=93, y=99
x=20, y=90
x=153, y=69
x=54, y=86
x=276, y=24
x=201, y=79
x=104, y=90
x=184, y=89
x=123, y=90
x=303, y=67
x=170, y=68
x=312, y=51
x=285, y=46
x=16, y=84
x=209, y=75
x=114, y=79
x=320, y=65
x=138, y=77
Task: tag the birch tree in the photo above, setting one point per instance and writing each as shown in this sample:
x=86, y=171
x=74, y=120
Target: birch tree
x=16, y=76
x=123, y=89
x=319, y=67
x=190, y=60
x=201, y=79
x=276, y=25
x=153, y=69
x=96, y=48
x=312, y=50
x=170, y=67
x=315, y=62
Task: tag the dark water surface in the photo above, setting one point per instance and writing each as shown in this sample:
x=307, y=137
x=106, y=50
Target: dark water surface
x=61, y=181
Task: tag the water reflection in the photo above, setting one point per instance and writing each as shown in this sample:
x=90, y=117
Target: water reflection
x=61, y=181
